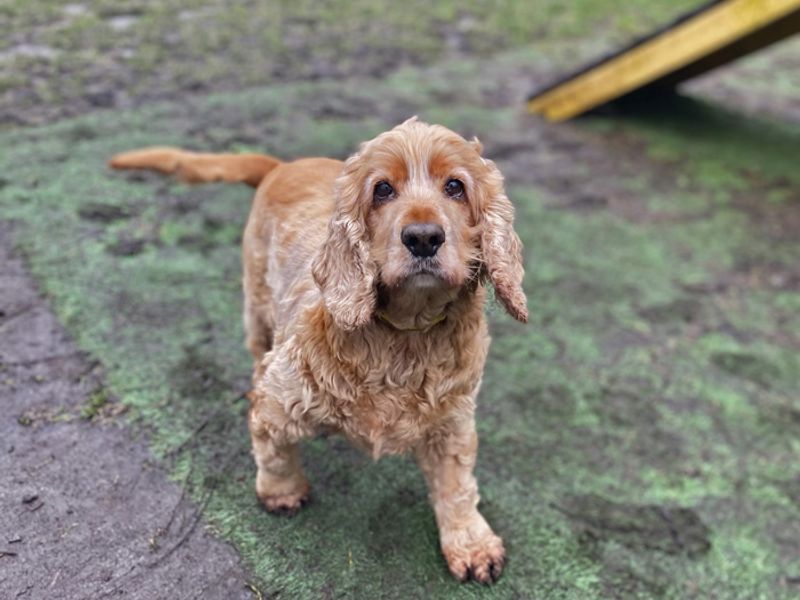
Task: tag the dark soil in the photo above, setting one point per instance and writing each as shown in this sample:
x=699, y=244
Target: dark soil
x=84, y=512
x=670, y=530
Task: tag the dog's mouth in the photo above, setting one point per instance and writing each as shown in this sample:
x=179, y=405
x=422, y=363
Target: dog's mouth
x=424, y=265
x=422, y=272
x=425, y=270
x=427, y=273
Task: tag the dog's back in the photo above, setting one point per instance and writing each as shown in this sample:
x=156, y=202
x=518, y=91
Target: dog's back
x=285, y=229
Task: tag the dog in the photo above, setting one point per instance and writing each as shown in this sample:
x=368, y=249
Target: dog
x=364, y=292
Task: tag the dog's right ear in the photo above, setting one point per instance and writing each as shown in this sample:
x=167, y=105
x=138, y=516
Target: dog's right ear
x=342, y=269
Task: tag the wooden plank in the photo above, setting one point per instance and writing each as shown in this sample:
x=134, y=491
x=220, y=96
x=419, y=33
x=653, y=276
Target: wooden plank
x=772, y=33
x=717, y=34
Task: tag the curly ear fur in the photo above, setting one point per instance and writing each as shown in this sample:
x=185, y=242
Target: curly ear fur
x=343, y=269
x=500, y=245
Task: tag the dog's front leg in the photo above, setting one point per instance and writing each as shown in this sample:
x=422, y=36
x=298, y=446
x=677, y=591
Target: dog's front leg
x=469, y=545
x=280, y=483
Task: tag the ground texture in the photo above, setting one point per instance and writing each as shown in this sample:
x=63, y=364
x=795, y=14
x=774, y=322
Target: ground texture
x=84, y=511
x=639, y=438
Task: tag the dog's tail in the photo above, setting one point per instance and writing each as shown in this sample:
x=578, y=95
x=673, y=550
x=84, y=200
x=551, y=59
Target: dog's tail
x=193, y=167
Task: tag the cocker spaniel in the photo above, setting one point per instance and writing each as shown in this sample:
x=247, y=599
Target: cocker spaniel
x=364, y=293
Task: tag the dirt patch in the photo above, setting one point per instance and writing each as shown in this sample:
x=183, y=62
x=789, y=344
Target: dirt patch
x=196, y=376
x=104, y=213
x=681, y=310
x=747, y=366
x=84, y=512
x=639, y=527
x=126, y=247
x=551, y=402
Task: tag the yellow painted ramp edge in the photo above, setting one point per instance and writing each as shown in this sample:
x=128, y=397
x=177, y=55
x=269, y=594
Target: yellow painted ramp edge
x=689, y=41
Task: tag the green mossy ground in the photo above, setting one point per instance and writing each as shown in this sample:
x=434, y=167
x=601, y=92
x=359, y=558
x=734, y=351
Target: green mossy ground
x=61, y=59
x=639, y=438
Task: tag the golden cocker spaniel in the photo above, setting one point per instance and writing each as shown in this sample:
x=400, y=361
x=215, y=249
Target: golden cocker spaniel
x=364, y=293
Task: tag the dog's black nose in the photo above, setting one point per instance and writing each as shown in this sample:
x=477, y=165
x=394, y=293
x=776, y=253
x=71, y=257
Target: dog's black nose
x=422, y=239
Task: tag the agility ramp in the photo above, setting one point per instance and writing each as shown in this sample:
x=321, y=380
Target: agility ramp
x=703, y=39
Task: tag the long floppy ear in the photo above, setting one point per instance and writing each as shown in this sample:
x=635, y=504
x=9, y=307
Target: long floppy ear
x=501, y=247
x=342, y=269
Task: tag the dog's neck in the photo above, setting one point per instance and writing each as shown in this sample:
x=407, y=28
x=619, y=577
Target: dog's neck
x=415, y=305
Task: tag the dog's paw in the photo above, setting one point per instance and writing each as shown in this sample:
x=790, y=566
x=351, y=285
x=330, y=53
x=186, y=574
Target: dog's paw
x=480, y=560
x=286, y=504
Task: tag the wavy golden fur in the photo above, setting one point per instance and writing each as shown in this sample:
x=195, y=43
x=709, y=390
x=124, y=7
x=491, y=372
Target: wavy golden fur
x=355, y=330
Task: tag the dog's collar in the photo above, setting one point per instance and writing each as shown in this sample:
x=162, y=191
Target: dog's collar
x=381, y=314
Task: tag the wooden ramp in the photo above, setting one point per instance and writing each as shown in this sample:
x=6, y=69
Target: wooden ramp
x=712, y=35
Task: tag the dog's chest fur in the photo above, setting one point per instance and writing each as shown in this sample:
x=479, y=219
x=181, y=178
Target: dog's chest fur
x=385, y=389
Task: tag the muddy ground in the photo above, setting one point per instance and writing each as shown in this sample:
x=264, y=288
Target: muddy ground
x=85, y=511
x=62, y=59
x=639, y=437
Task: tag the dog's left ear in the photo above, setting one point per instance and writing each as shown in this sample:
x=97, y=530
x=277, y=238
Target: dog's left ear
x=501, y=247
x=342, y=269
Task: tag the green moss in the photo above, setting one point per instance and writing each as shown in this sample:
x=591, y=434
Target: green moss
x=96, y=402
x=156, y=52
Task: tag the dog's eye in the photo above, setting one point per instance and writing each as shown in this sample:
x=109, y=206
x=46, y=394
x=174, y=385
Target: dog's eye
x=454, y=188
x=382, y=192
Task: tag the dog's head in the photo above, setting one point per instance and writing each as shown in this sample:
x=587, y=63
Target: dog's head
x=418, y=206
